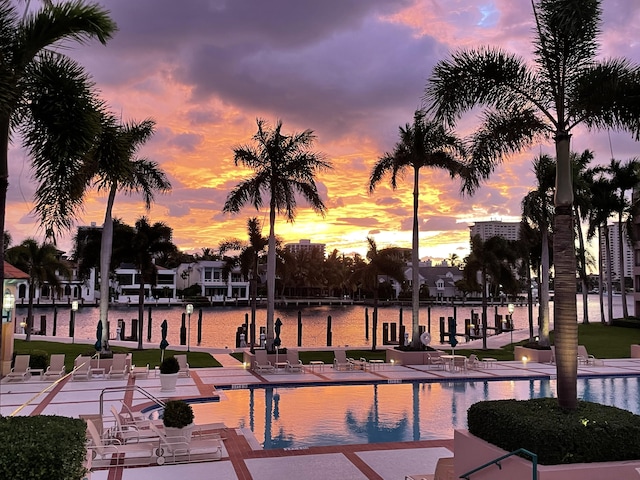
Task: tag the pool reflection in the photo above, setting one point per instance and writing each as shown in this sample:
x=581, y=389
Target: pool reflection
x=298, y=417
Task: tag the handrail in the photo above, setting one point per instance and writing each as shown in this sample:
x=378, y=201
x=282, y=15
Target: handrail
x=534, y=463
x=126, y=388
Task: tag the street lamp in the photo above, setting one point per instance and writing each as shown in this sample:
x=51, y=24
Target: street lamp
x=511, y=307
x=189, y=312
x=72, y=320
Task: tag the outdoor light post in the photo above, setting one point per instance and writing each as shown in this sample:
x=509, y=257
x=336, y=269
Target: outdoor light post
x=511, y=308
x=189, y=312
x=72, y=320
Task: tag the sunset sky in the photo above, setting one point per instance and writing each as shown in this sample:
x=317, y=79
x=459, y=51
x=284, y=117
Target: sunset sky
x=351, y=70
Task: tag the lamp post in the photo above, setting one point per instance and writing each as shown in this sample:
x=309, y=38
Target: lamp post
x=189, y=312
x=72, y=320
x=511, y=307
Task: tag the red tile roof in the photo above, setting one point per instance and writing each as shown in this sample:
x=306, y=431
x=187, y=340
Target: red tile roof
x=12, y=272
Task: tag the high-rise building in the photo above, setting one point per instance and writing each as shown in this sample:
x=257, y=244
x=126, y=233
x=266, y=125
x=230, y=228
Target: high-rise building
x=614, y=249
x=305, y=245
x=495, y=228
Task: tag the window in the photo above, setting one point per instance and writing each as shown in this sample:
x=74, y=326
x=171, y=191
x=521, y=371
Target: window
x=207, y=273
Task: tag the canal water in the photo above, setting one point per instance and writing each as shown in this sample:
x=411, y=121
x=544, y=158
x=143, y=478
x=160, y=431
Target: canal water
x=220, y=324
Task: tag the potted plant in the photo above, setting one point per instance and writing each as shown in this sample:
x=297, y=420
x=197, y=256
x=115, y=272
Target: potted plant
x=178, y=419
x=169, y=369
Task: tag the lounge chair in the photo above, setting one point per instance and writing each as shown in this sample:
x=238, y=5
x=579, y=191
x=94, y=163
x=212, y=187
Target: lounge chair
x=436, y=361
x=20, y=368
x=340, y=361
x=444, y=471
x=184, y=366
x=294, y=364
x=138, y=419
x=129, y=432
x=261, y=364
x=182, y=449
x=585, y=358
x=56, y=366
x=112, y=451
x=474, y=362
x=459, y=364
x=118, y=365
x=81, y=368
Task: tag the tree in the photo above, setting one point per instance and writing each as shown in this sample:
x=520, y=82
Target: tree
x=537, y=210
x=149, y=242
x=43, y=265
x=426, y=143
x=386, y=262
x=492, y=259
x=115, y=167
x=567, y=86
x=284, y=165
x=47, y=97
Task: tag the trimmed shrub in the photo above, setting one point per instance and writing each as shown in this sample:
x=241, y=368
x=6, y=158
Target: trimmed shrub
x=42, y=447
x=177, y=414
x=39, y=359
x=169, y=365
x=591, y=433
x=631, y=322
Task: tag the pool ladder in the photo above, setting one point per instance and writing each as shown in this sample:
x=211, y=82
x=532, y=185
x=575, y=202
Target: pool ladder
x=128, y=388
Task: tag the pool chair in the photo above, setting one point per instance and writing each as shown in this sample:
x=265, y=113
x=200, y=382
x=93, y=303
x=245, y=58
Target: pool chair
x=444, y=471
x=139, y=419
x=261, y=364
x=118, y=365
x=184, y=366
x=81, y=368
x=341, y=362
x=585, y=358
x=105, y=452
x=181, y=449
x=129, y=432
x=294, y=364
x=56, y=366
x=436, y=361
x=459, y=364
x=20, y=368
x=474, y=362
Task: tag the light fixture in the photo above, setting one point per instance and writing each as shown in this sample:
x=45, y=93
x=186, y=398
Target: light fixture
x=8, y=301
x=189, y=312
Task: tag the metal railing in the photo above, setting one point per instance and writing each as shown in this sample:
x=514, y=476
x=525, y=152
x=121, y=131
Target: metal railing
x=534, y=464
x=126, y=388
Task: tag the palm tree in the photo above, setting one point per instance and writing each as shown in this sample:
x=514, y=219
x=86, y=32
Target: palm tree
x=537, y=208
x=625, y=177
x=43, y=265
x=284, y=165
x=424, y=144
x=116, y=168
x=567, y=86
x=492, y=259
x=149, y=242
x=386, y=262
x=249, y=258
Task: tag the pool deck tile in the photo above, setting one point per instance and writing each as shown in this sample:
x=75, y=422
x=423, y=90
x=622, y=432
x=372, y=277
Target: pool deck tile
x=246, y=461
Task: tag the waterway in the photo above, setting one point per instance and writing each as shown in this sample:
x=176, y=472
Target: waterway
x=220, y=324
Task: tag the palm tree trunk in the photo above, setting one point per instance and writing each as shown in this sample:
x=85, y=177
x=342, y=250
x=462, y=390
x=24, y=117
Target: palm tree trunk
x=543, y=292
x=140, y=311
x=32, y=291
x=607, y=256
x=623, y=290
x=271, y=274
x=600, y=276
x=4, y=186
x=529, y=301
x=583, y=271
x=484, y=309
x=565, y=309
x=106, y=247
x=415, y=264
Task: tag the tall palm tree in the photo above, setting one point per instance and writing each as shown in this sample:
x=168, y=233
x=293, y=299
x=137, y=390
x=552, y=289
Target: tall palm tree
x=566, y=86
x=283, y=165
x=249, y=258
x=492, y=259
x=148, y=243
x=425, y=143
x=537, y=208
x=386, y=262
x=47, y=97
x=114, y=166
x=43, y=265
x=625, y=177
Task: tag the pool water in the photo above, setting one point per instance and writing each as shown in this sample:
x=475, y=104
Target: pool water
x=304, y=416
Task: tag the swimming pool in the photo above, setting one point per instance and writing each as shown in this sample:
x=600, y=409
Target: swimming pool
x=304, y=416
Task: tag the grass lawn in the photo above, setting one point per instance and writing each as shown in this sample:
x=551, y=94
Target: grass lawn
x=600, y=340
x=139, y=357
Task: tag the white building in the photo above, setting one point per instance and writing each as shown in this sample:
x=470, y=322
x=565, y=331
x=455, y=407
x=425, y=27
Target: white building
x=305, y=245
x=614, y=249
x=127, y=286
x=496, y=228
x=209, y=275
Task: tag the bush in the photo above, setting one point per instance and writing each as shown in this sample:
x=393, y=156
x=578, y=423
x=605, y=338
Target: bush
x=536, y=346
x=38, y=358
x=177, y=414
x=591, y=433
x=169, y=365
x=631, y=322
x=42, y=447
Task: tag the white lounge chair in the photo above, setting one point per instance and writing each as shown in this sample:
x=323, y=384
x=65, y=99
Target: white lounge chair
x=340, y=361
x=184, y=366
x=294, y=364
x=20, y=368
x=82, y=368
x=118, y=365
x=56, y=366
x=129, y=432
x=112, y=451
x=436, y=361
x=138, y=419
x=261, y=364
x=474, y=362
x=182, y=449
x=585, y=358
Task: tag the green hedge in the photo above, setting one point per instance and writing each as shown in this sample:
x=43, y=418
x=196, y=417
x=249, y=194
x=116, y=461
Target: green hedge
x=42, y=447
x=591, y=433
